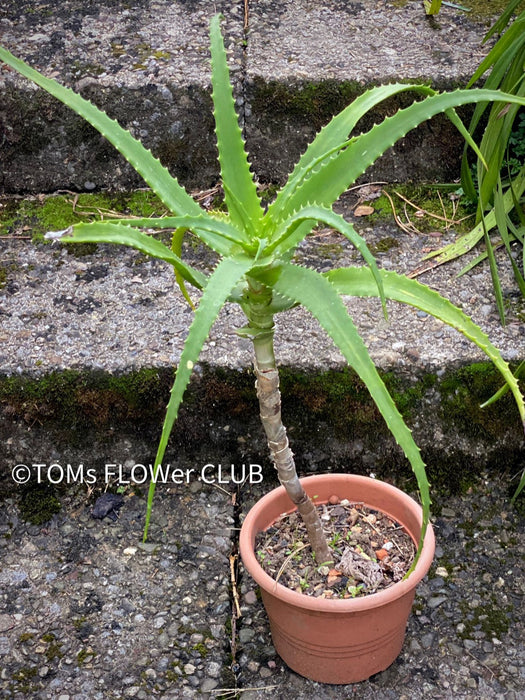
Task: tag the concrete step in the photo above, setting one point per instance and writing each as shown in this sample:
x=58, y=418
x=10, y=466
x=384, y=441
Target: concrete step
x=76, y=330
x=294, y=64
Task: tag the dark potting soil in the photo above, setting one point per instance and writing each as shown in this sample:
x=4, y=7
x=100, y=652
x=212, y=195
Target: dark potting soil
x=371, y=552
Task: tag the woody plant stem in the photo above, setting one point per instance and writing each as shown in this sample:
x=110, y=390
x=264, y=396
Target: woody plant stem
x=261, y=332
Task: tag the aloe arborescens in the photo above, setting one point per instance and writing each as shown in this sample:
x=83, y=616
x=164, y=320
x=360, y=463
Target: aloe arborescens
x=256, y=247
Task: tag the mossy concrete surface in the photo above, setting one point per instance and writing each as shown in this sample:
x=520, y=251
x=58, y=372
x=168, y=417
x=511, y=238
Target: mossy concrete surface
x=91, y=337
x=293, y=65
x=95, y=418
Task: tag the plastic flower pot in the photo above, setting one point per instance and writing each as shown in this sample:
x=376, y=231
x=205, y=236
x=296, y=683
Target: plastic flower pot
x=344, y=640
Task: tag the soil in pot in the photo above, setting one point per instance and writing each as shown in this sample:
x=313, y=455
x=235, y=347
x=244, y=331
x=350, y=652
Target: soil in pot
x=371, y=552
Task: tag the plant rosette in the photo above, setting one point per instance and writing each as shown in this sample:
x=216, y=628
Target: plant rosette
x=338, y=640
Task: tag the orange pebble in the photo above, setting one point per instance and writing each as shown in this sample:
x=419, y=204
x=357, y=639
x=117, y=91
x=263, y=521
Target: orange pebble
x=334, y=500
x=334, y=572
x=381, y=554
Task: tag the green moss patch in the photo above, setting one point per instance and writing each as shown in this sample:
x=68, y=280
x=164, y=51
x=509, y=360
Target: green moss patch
x=492, y=618
x=318, y=101
x=38, y=504
x=85, y=656
x=35, y=216
x=331, y=418
x=427, y=208
x=79, y=399
x=481, y=9
x=76, y=409
x=463, y=392
x=25, y=681
x=478, y=9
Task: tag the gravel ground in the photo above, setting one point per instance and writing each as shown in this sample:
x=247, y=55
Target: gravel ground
x=88, y=612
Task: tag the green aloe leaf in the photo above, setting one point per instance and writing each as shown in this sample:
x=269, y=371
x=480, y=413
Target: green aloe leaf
x=290, y=234
x=106, y=232
x=333, y=137
x=330, y=180
x=316, y=293
x=176, y=247
x=224, y=279
x=156, y=175
x=240, y=191
x=219, y=234
x=359, y=282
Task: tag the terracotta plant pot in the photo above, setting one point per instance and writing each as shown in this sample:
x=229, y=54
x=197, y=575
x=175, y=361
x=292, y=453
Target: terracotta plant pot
x=338, y=641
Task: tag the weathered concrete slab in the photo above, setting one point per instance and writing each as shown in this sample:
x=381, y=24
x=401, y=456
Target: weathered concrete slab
x=363, y=41
x=147, y=66
x=113, y=312
x=88, y=611
x=307, y=60
x=294, y=64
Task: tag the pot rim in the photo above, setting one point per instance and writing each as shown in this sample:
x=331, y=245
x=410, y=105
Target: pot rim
x=348, y=605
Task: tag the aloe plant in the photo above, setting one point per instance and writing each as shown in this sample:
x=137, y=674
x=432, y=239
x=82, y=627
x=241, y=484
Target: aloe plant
x=256, y=247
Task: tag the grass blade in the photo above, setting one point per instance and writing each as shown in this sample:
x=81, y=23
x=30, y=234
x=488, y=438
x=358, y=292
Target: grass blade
x=520, y=372
x=504, y=224
x=503, y=20
x=494, y=274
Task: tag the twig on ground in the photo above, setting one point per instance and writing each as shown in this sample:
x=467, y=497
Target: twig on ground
x=233, y=580
x=232, y=692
